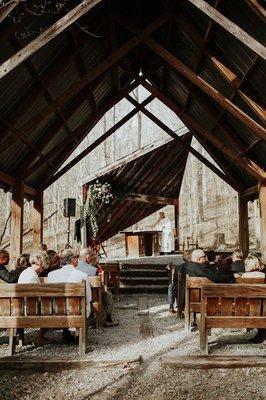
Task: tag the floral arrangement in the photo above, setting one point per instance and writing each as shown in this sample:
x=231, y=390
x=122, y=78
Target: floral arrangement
x=99, y=195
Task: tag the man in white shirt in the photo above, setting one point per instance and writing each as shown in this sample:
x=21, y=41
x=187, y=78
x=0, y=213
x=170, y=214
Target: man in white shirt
x=84, y=263
x=167, y=235
x=39, y=263
x=70, y=274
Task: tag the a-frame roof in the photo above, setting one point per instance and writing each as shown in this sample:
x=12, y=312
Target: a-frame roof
x=211, y=75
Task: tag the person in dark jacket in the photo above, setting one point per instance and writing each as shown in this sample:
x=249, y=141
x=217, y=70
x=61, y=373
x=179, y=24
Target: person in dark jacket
x=198, y=267
x=238, y=263
x=5, y=275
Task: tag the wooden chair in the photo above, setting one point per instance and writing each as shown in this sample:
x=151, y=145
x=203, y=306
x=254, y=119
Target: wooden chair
x=193, y=299
x=97, y=306
x=111, y=276
x=231, y=306
x=54, y=305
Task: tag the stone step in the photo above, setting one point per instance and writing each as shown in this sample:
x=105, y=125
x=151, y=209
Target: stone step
x=143, y=289
x=143, y=272
x=153, y=281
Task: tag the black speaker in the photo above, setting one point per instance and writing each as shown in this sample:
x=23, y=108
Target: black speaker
x=69, y=207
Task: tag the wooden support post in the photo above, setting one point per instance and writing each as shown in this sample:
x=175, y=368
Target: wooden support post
x=243, y=224
x=16, y=221
x=177, y=226
x=38, y=219
x=262, y=199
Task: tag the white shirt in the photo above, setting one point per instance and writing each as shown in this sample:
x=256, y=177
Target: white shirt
x=69, y=274
x=29, y=275
x=89, y=269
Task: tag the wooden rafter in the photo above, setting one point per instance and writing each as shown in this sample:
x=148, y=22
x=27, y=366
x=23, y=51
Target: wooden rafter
x=98, y=70
x=180, y=141
x=111, y=39
x=146, y=198
x=6, y=9
x=98, y=141
x=46, y=36
x=114, y=99
x=230, y=27
x=258, y=8
x=10, y=181
x=193, y=77
x=243, y=162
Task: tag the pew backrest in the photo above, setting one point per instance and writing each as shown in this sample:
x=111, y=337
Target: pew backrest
x=111, y=276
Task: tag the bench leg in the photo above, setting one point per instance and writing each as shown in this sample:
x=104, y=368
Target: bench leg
x=187, y=320
x=21, y=339
x=203, y=341
x=12, y=341
x=83, y=332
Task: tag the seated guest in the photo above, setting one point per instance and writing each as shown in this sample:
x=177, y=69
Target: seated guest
x=253, y=267
x=224, y=263
x=39, y=262
x=92, y=269
x=5, y=275
x=198, y=267
x=237, y=264
x=85, y=262
x=70, y=274
x=211, y=257
x=172, y=289
x=23, y=262
x=54, y=262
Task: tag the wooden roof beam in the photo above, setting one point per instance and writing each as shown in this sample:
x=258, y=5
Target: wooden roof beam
x=6, y=9
x=98, y=141
x=258, y=8
x=230, y=27
x=185, y=25
x=146, y=198
x=111, y=39
x=50, y=33
x=10, y=181
x=194, y=78
x=189, y=148
x=83, y=131
x=243, y=162
x=98, y=70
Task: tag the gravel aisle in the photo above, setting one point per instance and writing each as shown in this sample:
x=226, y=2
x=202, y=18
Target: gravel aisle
x=147, y=381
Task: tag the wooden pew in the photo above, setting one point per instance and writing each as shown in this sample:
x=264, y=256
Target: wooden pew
x=43, y=305
x=193, y=295
x=193, y=299
x=231, y=306
x=111, y=276
x=97, y=306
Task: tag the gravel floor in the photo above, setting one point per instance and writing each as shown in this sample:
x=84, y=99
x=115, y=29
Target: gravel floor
x=146, y=381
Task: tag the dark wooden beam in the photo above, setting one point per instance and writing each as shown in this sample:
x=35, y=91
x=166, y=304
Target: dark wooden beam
x=251, y=193
x=258, y=8
x=38, y=220
x=244, y=163
x=243, y=224
x=10, y=181
x=98, y=141
x=6, y=9
x=230, y=27
x=16, y=235
x=189, y=148
x=82, y=133
x=76, y=87
x=146, y=198
x=111, y=40
x=194, y=78
x=50, y=33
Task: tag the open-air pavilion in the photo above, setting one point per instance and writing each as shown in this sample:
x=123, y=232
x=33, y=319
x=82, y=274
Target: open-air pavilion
x=205, y=61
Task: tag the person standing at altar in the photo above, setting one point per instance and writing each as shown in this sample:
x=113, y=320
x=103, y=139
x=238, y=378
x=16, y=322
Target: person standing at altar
x=167, y=240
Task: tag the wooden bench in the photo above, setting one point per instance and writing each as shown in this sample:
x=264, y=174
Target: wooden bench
x=193, y=295
x=193, y=299
x=43, y=305
x=231, y=306
x=111, y=276
x=97, y=306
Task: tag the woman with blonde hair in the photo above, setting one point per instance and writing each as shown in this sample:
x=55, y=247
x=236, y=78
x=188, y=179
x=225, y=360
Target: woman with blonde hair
x=253, y=267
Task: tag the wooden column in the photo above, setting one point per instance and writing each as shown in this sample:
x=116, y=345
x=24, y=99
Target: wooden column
x=243, y=224
x=262, y=199
x=16, y=239
x=38, y=220
x=177, y=226
x=83, y=224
